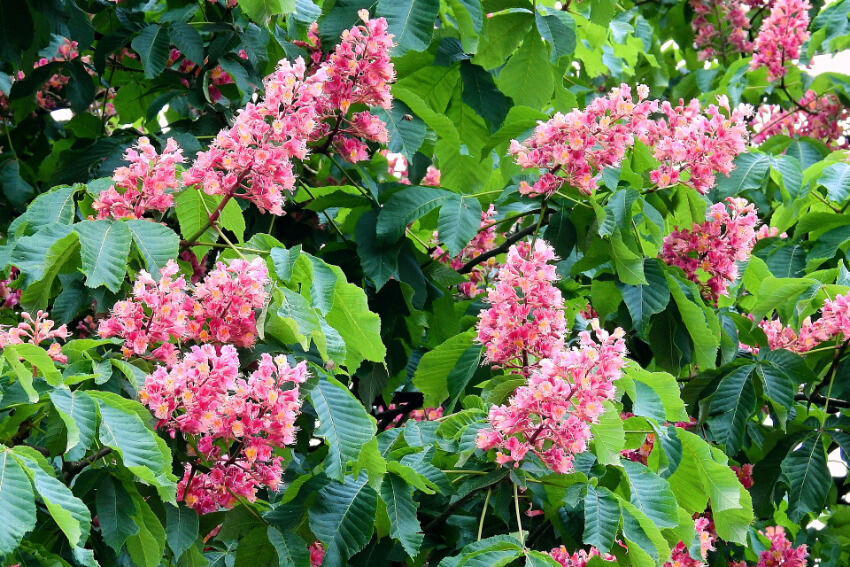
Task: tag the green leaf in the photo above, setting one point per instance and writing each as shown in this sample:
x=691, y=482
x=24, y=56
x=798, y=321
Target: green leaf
x=836, y=179
x=644, y=301
x=608, y=435
x=191, y=206
x=411, y=21
x=558, y=29
x=104, y=247
x=502, y=34
x=407, y=206
x=654, y=394
x=188, y=41
x=481, y=94
x=292, y=550
x=629, y=264
x=601, y=518
x=262, y=10
x=343, y=424
x=639, y=528
x=358, y=327
x=528, y=66
x=152, y=44
x=38, y=359
x=344, y=517
x=808, y=477
x=379, y=260
x=401, y=509
x=61, y=252
x=146, y=548
x=155, y=242
x=141, y=450
x=437, y=121
x=69, y=512
x=431, y=376
x=79, y=415
x=15, y=188
x=460, y=218
x=54, y=207
x=406, y=136
x=732, y=405
x=181, y=528
x=701, y=322
x=17, y=502
x=750, y=171
x=115, y=512
x=652, y=495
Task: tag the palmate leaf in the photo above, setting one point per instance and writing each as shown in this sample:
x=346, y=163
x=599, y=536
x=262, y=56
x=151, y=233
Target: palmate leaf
x=407, y=206
x=608, y=436
x=458, y=222
x=411, y=21
x=808, y=477
x=431, y=376
x=155, y=242
x=181, y=528
x=601, y=518
x=152, y=45
x=528, y=66
x=652, y=495
x=79, y=414
x=292, y=550
x=406, y=136
x=61, y=252
x=17, y=502
x=69, y=512
x=115, y=511
x=644, y=301
x=343, y=424
x=344, y=517
x=358, y=327
x=104, y=247
x=401, y=509
x=732, y=405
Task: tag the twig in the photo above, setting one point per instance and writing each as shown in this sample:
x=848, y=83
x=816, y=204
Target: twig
x=484, y=512
x=466, y=268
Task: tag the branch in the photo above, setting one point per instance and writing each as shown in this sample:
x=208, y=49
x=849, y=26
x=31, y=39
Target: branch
x=466, y=268
x=818, y=399
x=73, y=467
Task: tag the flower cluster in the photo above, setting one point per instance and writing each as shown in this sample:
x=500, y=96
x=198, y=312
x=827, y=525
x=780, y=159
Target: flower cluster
x=834, y=322
x=317, y=554
x=483, y=241
x=721, y=27
x=702, y=144
x=781, y=554
x=708, y=252
x=253, y=158
x=579, y=558
x=217, y=75
x=744, y=474
x=9, y=296
x=782, y=33
x=220, y=309
x=232, y=424
x=145, y=184
x=825, y=119
x=680, y=555
x=525, y=321
x=36, y=330
x=551, y=414
x=575, y=147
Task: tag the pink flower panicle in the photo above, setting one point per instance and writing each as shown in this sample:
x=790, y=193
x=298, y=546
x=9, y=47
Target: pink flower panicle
x=422, y=414
x=253, y=158
x=721, y=27
x=744, y=474
x=317, y=554
x=525, y=321
x=781, y=554
x=575, y=147
x=145, y=183
x=782, y=34
x=551, y=414
x=825, y=120
x=579, y=558
x=232, y=424
x=699, y=143
x=680, y=555
x=483, y=241
x=834, y=322
x=36, y=330
x=9, y=296
x=224, y=303
x=708, y=252
x=220, y=309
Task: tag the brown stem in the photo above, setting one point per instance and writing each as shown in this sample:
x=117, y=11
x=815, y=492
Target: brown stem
x=466, y=268
x=213, y=218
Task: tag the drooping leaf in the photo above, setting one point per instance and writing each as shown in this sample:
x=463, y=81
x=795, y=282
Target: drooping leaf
x=115, y=510
x=152, y=45
x=601, y=518
x=652, y=495
x=401, y=509
x=181, y=528
x=17, y=502
x=732, y=405
x=808, y=477
x=344, y=517
x=411, y=21
x=79, y=414
x=157, y=243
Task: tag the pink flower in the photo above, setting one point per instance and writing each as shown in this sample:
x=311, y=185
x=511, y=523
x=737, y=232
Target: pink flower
x=834, y=322
x=232, y=424
x=709, y=252
x=551, y=415
x=781, y=554
x=9, y=296
x=525, y=321
x=579, y=558
x=432, y=177
x=36, y=330
x=744, y=474
x=574, y=148
x=824, y=120
x=146, y=183
x=721, y=27
x=317, y=554
x=782, y=33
